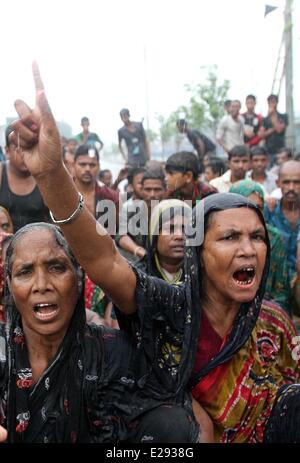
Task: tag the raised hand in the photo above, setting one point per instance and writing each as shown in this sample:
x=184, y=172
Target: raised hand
x=35, y=133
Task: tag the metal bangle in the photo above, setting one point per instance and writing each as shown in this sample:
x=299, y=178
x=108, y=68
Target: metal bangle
x=74, y=214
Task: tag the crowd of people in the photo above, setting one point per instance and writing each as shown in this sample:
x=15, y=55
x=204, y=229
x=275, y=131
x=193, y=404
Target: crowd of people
x=165, y=313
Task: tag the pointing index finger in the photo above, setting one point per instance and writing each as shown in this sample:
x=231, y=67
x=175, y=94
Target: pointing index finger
x=39, y=86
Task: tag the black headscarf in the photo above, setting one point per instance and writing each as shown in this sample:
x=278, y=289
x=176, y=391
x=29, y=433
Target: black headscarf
x=168, y=316
x=249, y=312
x=66, y=404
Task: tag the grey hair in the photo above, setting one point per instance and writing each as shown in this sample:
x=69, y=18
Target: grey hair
x=60, y=240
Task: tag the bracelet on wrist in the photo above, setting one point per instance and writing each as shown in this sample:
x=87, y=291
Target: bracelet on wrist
x=74, y=214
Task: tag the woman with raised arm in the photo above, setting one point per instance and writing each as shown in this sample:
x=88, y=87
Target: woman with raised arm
x=237, y=359
x=62, y=379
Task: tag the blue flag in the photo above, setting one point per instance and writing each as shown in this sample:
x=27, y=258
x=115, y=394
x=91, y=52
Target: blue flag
x=269, y=9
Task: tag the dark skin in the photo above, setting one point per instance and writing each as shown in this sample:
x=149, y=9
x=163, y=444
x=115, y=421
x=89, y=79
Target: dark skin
x=259, y=165
x=131, y=127
x=42, y=273
x=152, y=190
x=21, y=182
x=41, y=151
x=85, y=132
x=238, y=166
x=170, y=245
x=184, y=182
x=97, y=254
x=278, y=125
x=3, y=434
x=86, y=170
x=289, y=182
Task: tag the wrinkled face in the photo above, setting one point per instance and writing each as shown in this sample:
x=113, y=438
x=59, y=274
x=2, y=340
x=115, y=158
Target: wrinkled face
x=153, y=190
x=175, y=180
x=233, y=256
x=86, y=169
x=259, y=163
x=170, y=241
x=250, y=104
x=239, y=166
x=16, y=159
x=4, y=223
x=289, y=182
x=43, y=284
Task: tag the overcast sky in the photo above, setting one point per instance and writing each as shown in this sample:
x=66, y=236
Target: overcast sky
x=92, y=54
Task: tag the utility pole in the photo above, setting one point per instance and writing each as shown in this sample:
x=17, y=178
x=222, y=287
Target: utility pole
x=289, y=88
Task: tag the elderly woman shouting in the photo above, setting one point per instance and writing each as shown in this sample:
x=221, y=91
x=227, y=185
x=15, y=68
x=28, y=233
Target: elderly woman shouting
x=212, y=332
x=62, y=380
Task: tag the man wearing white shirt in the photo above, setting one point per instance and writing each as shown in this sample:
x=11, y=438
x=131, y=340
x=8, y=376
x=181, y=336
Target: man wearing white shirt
x=259, y=163
x=239, y=162
x=230, y=130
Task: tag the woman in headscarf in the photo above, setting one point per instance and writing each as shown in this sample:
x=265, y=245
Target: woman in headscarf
x=165, y=253
x=277, y=286
x=240, y=354
x=62, y=380
x=245, y=348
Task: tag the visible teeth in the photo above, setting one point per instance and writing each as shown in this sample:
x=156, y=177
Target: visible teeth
x=247, y=282
x=44, y=305
x=46, y=315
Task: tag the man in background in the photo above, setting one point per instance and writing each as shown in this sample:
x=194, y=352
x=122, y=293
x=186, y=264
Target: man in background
x=19, y=193
x=201, y=143
x=273, y=128
x=88, y=138
x=230, y=130
x=252, y=122
x=134, y=136
x=238, y=162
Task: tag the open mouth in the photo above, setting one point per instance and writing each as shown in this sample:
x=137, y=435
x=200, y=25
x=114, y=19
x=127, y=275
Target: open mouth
x=244, y=276
x=45, y=311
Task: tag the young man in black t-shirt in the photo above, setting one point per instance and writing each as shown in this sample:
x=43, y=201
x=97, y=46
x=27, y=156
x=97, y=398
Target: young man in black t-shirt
x=273, y=128
x=134, y=136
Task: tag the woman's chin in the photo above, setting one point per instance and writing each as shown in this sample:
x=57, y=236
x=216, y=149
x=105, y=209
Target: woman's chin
x=246, y=296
